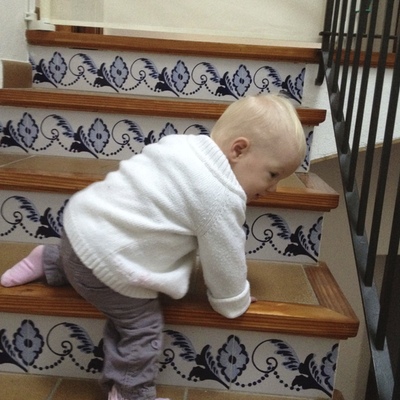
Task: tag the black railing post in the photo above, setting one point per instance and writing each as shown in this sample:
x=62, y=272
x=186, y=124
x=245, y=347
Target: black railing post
x=362, y=23
x=380, y=193
x=326, y=38
x=386, y=293
x=343, y=102
x=363, y=92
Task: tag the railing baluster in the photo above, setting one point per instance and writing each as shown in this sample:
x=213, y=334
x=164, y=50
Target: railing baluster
x=395, y=234
x=385, y=158
x=346, y=65
x=391, y=265
x=362, y=96
x=333, y=31
x=339, y=46
x=396, y=364
x=376, y=106
x=377, y=315
x=326, y=39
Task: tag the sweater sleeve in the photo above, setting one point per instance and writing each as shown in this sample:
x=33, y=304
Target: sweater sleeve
x=222, y=256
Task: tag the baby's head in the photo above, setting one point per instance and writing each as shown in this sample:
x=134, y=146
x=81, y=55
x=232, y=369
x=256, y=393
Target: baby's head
x=263, y=139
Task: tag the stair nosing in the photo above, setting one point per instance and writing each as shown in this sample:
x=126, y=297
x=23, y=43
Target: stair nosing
x=133, y=105
x=315, y=195
x=175, y=46
x=337, y=321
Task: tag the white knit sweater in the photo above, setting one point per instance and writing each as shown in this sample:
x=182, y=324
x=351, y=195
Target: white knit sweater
x=140, y=228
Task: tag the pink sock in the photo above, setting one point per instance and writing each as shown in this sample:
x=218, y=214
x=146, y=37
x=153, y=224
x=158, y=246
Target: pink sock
x=27, y=270
x=114, y=395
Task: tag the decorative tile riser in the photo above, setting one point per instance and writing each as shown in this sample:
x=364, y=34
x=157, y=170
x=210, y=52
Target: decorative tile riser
x=283, y=234
x=273, y=235
x=206, y=78
x=222, y=359
x=96, y=135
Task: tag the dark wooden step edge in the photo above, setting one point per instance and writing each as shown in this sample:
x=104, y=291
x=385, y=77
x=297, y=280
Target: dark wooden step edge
x=374, y=60
x=332, y=318
x=286, y=53
x=316, y=194
x=174, y=46
x=122, y=104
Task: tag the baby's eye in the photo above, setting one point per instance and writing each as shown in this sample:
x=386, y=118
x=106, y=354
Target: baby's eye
x=273, y=175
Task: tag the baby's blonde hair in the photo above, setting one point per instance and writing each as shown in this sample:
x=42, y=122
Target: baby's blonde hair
x=262, y=119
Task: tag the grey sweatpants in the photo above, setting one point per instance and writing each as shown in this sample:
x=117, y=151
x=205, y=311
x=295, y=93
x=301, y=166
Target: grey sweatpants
x=133, y=331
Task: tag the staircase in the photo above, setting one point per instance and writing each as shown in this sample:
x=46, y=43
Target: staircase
x=99, y=99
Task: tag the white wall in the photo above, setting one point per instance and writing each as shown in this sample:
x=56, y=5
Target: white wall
x=12, y=32
x=352, y=370
x=324, y=142
x=222, y=17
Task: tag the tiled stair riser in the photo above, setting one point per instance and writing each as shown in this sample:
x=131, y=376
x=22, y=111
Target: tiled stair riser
x=259, y=362
x=163, y=75
x=31, y=217
x=273, y=234
x=279, y=234
x=96, y=135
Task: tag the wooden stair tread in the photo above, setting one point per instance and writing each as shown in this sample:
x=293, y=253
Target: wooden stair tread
x=124, y=104
x=312, y=194
x=40, y=173
x=220, y=48
x=331, y=316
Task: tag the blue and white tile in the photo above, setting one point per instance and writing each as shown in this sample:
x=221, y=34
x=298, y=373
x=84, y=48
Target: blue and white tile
x=163, y=75
x=88, y=134
x=256, y=362
x=273, y=235
x=190, y=357
x=96, y=135
x=31, y=217
x=285, y=365
x=283, y=234
x=70, y=347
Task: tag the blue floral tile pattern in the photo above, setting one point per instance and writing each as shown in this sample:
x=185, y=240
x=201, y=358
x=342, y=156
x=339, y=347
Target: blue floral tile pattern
x=28, y=342
x=33, y=350
x=280, y=236
x=90, y=135
x=31, y=217
x=262, y=362
x=285, y=235
x=166, y=75
x=241, y=363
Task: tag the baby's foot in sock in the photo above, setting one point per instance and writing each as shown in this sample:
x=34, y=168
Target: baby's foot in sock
x=114, y=395
x=27, y=270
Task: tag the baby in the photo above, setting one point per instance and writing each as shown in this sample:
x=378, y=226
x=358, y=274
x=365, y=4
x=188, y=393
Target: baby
x=138, y=232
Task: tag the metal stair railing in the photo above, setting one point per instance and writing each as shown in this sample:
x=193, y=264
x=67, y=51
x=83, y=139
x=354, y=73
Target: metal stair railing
x=353, y=32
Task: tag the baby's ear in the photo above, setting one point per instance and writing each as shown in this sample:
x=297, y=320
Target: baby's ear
x=238, y=147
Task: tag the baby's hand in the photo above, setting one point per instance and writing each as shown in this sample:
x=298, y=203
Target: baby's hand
x=253, y=299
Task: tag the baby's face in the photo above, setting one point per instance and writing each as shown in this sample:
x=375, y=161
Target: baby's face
x=259, y=170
